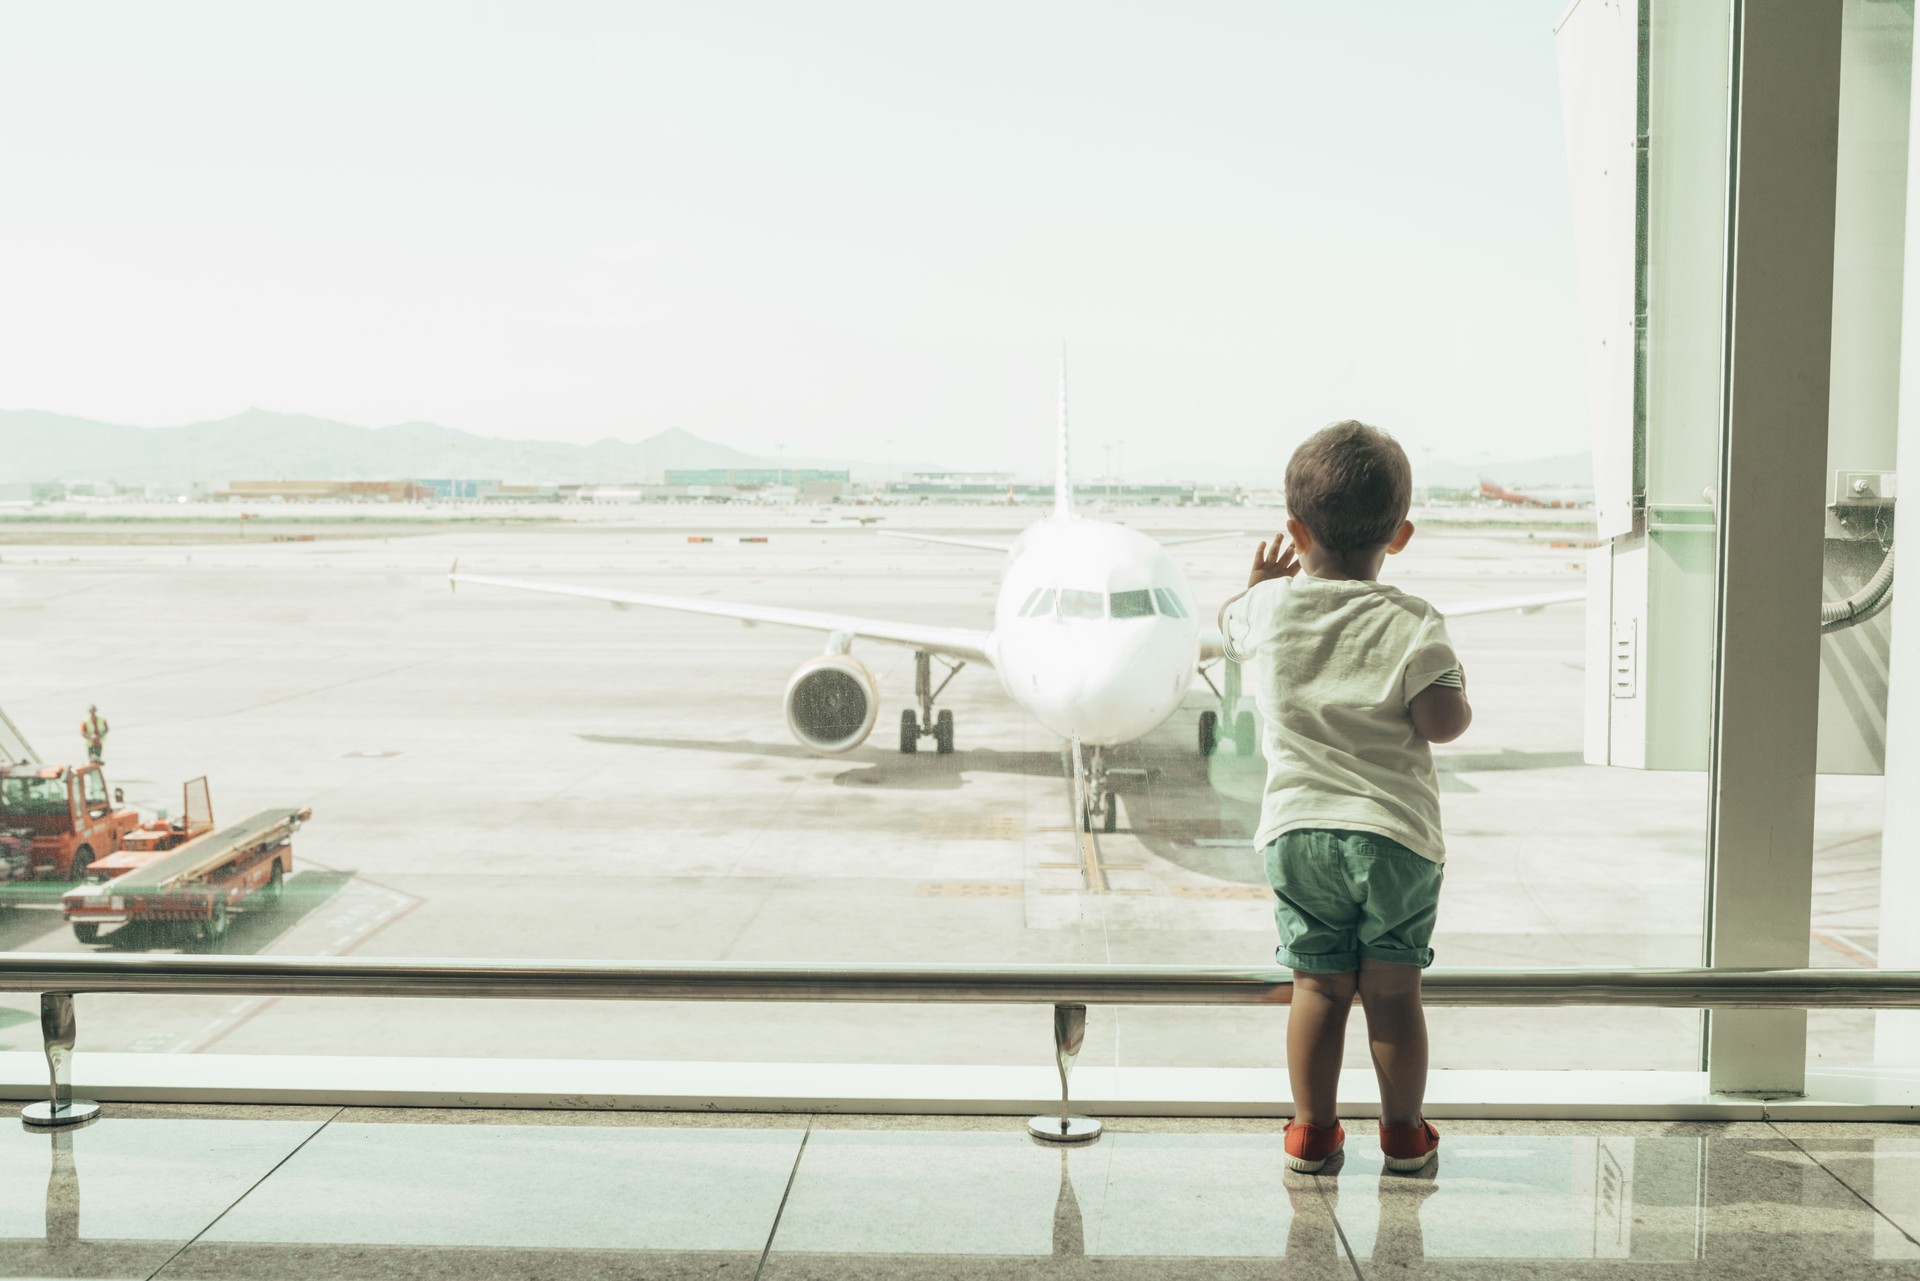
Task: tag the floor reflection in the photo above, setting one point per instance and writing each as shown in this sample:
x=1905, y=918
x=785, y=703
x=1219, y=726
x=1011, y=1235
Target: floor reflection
x=1532, y=1197
x=908, y=1198
x=1069, y=1231
x=63, y=1194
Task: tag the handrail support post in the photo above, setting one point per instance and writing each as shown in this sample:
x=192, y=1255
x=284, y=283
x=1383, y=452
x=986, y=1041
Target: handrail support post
x=57, y=1033
x=1069, y=1034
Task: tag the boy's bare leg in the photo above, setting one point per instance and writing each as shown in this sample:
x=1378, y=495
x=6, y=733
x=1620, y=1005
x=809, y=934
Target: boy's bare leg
x=1397, y=1035
x=1316, y=1034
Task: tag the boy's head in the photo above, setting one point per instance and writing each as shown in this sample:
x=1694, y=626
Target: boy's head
x=1350, y=485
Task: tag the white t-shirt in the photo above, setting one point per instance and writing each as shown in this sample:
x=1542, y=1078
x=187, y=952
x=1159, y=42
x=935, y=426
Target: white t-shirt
x=1335, y=664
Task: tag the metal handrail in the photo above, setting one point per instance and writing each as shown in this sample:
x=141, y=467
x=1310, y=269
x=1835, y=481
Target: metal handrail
x=1068, y=988
x=1676, y=988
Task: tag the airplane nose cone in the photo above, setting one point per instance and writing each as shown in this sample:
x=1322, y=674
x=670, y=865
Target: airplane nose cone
x=1097, y=687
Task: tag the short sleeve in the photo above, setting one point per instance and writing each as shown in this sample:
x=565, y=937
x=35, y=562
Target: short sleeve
x=1431, y=658
x=1248, y=620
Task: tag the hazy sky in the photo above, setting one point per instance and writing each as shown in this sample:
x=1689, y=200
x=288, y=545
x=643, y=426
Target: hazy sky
x=850, y=228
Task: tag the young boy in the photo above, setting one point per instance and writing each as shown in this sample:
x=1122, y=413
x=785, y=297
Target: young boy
x=1354, y=680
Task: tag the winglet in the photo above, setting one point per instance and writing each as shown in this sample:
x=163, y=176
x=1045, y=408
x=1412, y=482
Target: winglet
x=453, y=576
x=1062, y=478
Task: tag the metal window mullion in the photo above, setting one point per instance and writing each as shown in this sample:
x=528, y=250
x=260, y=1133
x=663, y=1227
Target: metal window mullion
x=1784, y=144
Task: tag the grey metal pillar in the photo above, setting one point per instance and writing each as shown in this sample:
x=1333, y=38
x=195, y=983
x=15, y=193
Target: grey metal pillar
x=57, y=1029
x=1069, y=1033
x=1779, y=333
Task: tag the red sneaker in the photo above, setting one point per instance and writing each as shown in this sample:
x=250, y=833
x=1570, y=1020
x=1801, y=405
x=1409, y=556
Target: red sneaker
x=1408, y=1147
x=1309, y=1146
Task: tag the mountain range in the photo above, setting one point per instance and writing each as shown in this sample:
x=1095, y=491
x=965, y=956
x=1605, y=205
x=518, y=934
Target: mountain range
x=260, y=444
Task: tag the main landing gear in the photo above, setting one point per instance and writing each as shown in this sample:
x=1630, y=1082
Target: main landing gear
x=927, y=724
x=1239, y=724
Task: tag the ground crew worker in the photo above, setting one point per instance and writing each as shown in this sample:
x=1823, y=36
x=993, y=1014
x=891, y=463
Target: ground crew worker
x=94, y=730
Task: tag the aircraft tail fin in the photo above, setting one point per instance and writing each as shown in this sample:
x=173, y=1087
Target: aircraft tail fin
x=1062, y=477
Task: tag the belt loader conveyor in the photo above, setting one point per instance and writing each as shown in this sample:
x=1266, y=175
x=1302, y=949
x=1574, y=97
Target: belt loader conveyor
x=194, y=885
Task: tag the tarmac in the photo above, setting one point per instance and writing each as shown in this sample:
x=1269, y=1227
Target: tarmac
x=496, y=773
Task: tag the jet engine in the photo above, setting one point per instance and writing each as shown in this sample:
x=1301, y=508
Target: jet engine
x=831, y=703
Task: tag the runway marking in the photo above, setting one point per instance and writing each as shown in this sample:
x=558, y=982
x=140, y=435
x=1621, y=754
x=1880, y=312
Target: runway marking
x=1220, y=891
x=350, y=922
x=970, y=827
x=971, y=889
x=1199, y=830
x=1847, y=948
x=1090, y=864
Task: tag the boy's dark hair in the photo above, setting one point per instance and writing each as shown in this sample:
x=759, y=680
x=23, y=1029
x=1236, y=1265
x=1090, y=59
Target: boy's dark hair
x=1350, y=484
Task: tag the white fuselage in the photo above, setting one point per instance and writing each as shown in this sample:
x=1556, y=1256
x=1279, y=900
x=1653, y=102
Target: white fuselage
x=1095, y=631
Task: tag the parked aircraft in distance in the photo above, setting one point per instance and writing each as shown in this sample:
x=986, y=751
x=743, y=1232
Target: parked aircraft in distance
x=1095, y=633
x=1562, y=497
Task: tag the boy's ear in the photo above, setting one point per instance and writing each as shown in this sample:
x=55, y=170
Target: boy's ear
x=1302, y=536
x=1401, y=539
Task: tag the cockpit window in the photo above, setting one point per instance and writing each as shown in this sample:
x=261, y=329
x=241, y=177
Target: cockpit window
x=1032, y=596
x=1133, y=604
x=1041, y=602
x=1169, y=603
x=1079, y=604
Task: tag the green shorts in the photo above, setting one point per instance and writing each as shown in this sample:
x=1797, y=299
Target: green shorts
x=1344, y=895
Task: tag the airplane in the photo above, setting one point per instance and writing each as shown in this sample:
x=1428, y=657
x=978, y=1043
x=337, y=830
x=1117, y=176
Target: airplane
x=1568, y=497
x=1095, y=634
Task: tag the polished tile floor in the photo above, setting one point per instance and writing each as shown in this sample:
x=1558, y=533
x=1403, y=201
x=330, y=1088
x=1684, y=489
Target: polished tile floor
x=325, y=1192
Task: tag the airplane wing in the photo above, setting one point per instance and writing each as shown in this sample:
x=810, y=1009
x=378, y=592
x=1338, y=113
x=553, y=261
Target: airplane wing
x=1501, y=604
x=978, y=544
x=955, y=642
x=1212, y=644
x=1201, y=538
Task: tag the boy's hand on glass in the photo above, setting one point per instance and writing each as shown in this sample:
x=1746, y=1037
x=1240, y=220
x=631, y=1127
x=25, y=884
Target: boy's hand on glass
x=1273, y=560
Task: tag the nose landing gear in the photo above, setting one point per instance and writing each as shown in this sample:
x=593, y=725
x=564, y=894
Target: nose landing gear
x=1093, y=798
x=938, y=726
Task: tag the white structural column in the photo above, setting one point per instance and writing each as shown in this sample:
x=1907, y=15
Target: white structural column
x=1785, y=129
x=1897, y=1032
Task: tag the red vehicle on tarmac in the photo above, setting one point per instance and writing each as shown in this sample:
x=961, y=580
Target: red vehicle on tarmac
x=188, y=875
x=56, y=819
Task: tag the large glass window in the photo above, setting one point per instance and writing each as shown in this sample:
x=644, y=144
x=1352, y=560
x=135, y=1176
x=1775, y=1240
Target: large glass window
x=682, y=306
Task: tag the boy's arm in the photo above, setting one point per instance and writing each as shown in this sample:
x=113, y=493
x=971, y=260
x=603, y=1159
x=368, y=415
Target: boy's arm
x=1441, y=713
x=1220, y=619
